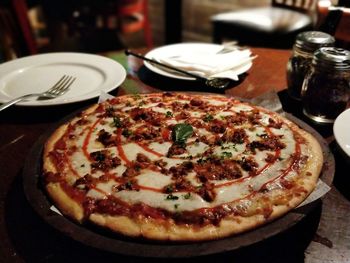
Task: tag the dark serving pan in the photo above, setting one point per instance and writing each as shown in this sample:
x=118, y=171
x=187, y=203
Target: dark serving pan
x=99, y=238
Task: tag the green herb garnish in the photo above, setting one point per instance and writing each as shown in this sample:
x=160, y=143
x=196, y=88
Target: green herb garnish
x=181, y=132
x=128, y=185
x=110, y=111
x=201, y=160
x=117, y=122
x=126, y=133
x=232, y=146
x=226, y=155
x=263, y=135
x=168, y=114
x=137, y=96
x=169, y=188
x=98, y=156
x=172, y=197
x=187, y=196
x=208, y=118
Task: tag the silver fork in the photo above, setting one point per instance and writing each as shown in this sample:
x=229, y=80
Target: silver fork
x=58, y=89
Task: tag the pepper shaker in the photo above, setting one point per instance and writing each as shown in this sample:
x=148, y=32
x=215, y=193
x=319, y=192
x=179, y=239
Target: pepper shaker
x=326, y=88
x=299, y=63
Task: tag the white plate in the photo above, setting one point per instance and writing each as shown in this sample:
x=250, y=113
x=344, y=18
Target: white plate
x=341, y=130
x=38, y=73
x=177, y=50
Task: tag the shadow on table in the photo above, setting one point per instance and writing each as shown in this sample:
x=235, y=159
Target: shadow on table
x=36, y=241
x=32, y=115
x=173, y=84
x=43, y=114
x=341, y=178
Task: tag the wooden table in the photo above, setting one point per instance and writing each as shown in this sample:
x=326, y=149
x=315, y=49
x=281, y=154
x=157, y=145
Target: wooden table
x=324, y=236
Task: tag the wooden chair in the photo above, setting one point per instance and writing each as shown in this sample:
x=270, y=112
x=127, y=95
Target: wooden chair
x=273, y=26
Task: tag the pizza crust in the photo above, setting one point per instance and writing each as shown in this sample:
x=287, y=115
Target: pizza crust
x=167, y=230
x=65, y=203
x=49, y=146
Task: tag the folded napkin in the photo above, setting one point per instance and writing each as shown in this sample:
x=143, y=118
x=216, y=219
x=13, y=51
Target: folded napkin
x=225, y=65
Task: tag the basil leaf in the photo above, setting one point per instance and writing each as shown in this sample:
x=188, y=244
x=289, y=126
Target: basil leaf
x=181, y=132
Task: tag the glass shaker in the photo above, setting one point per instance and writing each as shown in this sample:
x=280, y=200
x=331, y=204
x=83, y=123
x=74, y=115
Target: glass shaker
x=326, y=88
x=299, y=63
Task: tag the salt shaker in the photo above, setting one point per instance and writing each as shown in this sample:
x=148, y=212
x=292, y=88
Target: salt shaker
x=299, y=63
x=326, y=88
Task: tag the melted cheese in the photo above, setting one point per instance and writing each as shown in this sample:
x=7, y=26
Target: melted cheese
x=161, y=148
x=160, y=200
x=131, y=150
x=153, y=179
x=147, y=179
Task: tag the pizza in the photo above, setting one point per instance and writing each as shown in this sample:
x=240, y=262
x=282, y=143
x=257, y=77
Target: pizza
x=179, y=166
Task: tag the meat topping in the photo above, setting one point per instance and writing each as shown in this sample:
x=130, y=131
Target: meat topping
x=248, y=164
x=217, y=169
x=271, y=143
x=102, y=160
x=176, y=149
x=106, y=138
x=237, y=136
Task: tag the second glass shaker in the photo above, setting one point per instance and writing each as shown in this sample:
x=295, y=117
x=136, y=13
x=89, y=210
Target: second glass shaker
x=326, y=88
x=299, y=63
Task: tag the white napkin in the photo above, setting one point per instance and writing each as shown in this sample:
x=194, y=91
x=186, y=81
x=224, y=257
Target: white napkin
x=225, y=65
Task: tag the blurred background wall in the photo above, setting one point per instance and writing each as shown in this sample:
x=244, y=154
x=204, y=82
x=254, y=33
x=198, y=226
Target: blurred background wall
x=196, y=15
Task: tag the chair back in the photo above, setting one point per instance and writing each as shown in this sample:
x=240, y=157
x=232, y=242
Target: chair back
x=8, y=31
x=342, y=32
x=335, y=20
x=16, y=35
x=133, y=16
x=304, y=6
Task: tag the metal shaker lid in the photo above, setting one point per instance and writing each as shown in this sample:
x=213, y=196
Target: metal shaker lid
x=311, y=40
x=337, y=58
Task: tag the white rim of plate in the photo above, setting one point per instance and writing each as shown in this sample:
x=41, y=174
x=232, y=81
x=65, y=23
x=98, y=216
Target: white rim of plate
x=341, y=131
x=112, y=74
